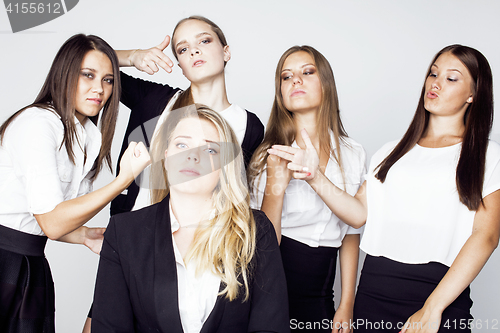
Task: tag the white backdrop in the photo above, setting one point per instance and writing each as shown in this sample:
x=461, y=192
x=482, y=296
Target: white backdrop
x=379, y=51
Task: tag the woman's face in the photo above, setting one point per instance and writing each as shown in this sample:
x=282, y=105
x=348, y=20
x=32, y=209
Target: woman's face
x=95, y=84
x=199, y=51
x=300, y=83
x=192, y=159
x=448, y=88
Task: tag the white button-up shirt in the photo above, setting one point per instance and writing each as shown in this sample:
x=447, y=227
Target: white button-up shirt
x=35, y=171
x=305, y=217
x=197, y=293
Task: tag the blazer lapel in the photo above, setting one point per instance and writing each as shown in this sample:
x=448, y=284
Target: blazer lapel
x=165, y=278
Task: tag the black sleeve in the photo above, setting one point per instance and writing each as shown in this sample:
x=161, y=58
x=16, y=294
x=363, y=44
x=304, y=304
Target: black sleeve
x=112, y=308
x=254, y=134
x=134, y=90
x=269, y=310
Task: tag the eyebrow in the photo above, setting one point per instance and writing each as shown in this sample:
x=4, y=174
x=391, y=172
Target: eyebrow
x=189, y=137
x=448, y=70
x=308, y=64
x=94, y=71
x=197, y=36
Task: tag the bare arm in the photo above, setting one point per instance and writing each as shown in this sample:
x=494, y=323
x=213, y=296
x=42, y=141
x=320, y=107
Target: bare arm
x=72, y=214
x=465, y=268
x=278, y=177
x=146, y=60
x=348, y=256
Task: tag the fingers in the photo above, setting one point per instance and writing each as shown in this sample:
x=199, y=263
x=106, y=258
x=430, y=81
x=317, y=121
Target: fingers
x=297, y=167
x=306, y=138
x=281, y=152
x=163, y=45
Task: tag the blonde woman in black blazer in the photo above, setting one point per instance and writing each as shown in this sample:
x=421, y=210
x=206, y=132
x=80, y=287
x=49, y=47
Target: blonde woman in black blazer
x=199, y=220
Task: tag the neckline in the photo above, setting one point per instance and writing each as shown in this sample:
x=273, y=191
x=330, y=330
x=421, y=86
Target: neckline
x=445, y=147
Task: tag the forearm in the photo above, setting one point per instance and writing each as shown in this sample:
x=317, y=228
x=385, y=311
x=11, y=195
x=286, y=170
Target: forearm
x=469, y=262
x=124, y=57
x=75, y=237
x=272, y=206
x=71, y=214
x=351, y=210
x=349, y=256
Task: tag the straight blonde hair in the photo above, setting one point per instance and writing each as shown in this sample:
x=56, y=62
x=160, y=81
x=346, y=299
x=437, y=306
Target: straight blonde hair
x=226, y=243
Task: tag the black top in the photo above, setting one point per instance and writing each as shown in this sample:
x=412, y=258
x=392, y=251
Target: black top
x=136, y=288
x=147, y=100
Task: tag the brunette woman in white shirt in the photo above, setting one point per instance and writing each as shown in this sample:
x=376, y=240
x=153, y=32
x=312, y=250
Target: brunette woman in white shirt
x=50, y=153
x=202, y=259
x=431, y=203
x=310, y=233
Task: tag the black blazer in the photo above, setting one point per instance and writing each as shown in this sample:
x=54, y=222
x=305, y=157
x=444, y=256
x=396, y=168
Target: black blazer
x=136, y=287
x=147, y=100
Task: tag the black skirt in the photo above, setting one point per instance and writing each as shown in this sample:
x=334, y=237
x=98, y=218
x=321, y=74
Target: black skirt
x=389, y=292
x=310, y=273
x=27, y=302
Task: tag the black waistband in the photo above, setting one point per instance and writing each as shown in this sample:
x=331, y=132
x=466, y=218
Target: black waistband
x=21, y=242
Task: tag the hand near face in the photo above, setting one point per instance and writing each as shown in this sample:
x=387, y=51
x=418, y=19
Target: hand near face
x=133, y=161
x=303, y=162
x=150, y=59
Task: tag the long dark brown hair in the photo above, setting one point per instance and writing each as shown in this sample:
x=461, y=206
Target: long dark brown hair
x=58, y=94
x=186, y=97
x=478, y=121
x=281, y=127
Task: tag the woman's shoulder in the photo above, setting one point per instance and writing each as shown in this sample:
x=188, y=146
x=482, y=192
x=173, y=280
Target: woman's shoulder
x=137, y=219
x=36, y=121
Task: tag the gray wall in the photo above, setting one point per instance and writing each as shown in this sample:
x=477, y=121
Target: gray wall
x=379, y=51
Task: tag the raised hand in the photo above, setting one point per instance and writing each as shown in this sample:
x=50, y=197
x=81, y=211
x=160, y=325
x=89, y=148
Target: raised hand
x=303, y=162
x=150, y=59
x=133, y=161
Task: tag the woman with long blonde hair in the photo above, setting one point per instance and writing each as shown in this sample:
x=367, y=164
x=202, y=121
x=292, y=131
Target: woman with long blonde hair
x=311, y=234
x=202, y=52
x=202, y=259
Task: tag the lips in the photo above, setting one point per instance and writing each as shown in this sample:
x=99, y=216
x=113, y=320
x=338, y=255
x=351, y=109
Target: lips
x=198, y=63
x=431, y=95
x=297, y=92
x=190, y=172
x=97, y=101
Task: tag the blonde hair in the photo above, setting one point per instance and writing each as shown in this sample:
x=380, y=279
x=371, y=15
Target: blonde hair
x=281, y=126
x=226, y=244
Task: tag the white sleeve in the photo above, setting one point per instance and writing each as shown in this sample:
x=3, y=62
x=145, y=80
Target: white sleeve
x=32, y=143
x=492, y=179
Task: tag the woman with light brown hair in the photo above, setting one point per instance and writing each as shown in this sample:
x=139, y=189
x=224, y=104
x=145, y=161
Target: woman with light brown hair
x=202, y=260
x=431, y=203
x=311, y=234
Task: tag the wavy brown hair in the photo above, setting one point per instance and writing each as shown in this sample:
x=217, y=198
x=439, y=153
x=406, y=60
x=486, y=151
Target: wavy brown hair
x=186, y=97
x=281, y=127
x=478, y=120
x=225, y=244
x=59, y=90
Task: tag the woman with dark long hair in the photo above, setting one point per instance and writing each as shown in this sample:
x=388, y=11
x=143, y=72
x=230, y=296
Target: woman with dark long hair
x=431, y=203
x=310, y=234
x=203, y=261
x=51, y=151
